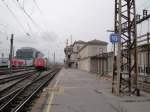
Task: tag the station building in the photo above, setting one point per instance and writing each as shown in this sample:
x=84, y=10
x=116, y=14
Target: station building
x=28, y=54
x=87, y=55
x=75, y=50
x=91, y=56
x=102, y=64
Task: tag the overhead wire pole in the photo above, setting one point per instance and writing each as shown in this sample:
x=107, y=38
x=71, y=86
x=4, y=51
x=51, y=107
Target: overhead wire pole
x=119, y=49
x=148, y=54
x=54, y=58
x=11, y=52
x=125, y=27
x=114, y=50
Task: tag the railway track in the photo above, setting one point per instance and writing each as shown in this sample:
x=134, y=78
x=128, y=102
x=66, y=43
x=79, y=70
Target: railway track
x=14, y=68
x=18, y=98
x=8, y=92
x=6, y=71
x=12, y=77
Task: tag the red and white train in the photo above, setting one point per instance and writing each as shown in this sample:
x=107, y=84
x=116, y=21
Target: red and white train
x=18, y=62
x=40, y=63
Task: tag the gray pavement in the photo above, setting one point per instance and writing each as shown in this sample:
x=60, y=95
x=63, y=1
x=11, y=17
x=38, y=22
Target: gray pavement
x=79, y=91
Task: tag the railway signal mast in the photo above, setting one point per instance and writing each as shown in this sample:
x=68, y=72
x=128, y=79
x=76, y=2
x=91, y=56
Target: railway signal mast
x=125, y=69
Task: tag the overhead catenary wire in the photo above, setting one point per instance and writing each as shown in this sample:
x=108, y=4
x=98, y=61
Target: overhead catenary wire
x=24, y=11
x=37, y=6
x=30, y=18
x=27, y=15
x=42, y=14
x=42, y=17
x=14, y=16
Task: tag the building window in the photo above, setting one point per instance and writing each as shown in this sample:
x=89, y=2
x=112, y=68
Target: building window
x=100, y=50
x=77, y=48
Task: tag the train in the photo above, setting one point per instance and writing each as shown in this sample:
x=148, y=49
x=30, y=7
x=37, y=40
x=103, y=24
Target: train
x=40, y=63
x=18, y=62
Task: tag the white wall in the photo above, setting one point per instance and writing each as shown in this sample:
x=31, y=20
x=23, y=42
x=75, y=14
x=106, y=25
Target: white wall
x=92, y=50
x=77, y=46
x=83, y=53
x=84, y=65
x=96, y=50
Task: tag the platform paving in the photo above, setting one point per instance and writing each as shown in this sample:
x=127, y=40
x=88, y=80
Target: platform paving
x=79, y=91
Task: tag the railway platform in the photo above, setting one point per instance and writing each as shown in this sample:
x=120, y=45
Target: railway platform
x=79, y=91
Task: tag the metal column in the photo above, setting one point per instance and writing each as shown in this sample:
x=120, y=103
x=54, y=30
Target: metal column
x=125, y=76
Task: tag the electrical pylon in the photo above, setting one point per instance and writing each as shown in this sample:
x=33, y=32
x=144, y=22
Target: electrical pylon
x=125, y=70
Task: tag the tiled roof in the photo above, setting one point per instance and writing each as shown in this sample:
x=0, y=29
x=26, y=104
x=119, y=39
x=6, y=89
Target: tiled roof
x=97, y=42
x=80, y=42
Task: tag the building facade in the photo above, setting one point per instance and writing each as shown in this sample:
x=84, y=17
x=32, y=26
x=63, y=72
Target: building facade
x=74, y=56
x=28, y=54
x=90, y=49
x=91, y=56
x=102, y=64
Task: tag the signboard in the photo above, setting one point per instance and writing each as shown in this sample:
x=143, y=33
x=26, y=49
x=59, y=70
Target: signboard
x=114, y=38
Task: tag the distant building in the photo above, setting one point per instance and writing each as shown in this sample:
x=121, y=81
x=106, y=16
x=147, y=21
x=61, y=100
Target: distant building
x=28, y=53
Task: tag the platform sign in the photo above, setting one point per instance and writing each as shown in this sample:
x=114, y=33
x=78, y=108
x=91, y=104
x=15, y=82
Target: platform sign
x=114, y=38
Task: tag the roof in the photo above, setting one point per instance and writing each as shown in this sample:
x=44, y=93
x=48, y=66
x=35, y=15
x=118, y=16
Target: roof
x=80, y=42
x=94, y=42
x=27, y=48
x=97, y=42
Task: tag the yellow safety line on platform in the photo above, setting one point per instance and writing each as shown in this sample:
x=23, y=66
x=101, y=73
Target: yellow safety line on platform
x=48, y=109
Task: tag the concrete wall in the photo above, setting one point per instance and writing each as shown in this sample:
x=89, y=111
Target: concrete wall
x=84, y=64
x=74, y=55
x=83, y=53
x=97, y=65
x=77, y=46
x=86, y=53
x=96, y=50
x=92, y=50
x=101, y=66
x=110, y=63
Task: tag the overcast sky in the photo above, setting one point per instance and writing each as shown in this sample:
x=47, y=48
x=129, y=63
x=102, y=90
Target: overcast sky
x=46, y=24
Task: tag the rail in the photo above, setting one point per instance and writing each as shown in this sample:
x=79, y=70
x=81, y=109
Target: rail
x=27, y=93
